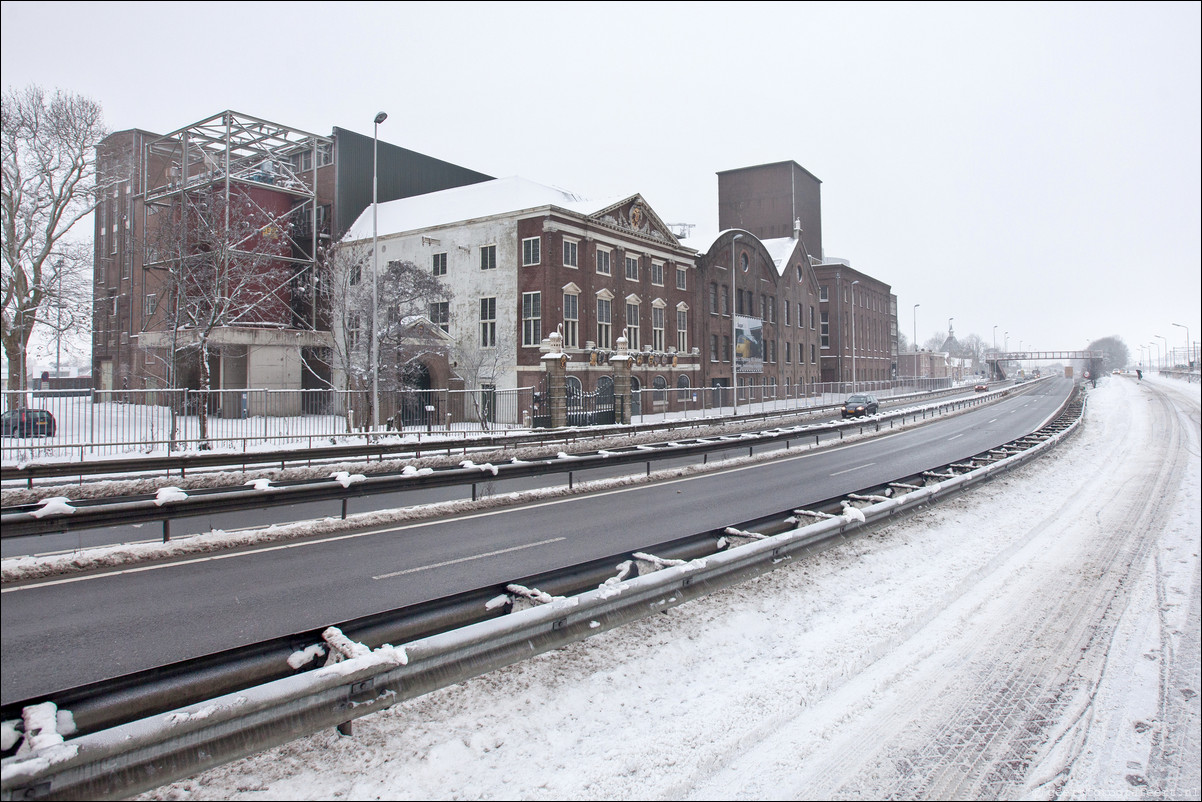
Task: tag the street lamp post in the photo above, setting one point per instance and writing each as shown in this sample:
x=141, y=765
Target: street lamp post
x=1188, y=359
x=916, y=331
x=734, y=324
x=375, y=275
x=995, y=338
x=1156, y=345
x=853, y=335
x=1006, y=342
x=1166, y=351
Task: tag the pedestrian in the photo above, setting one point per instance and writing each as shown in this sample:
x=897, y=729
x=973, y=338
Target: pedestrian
x=1139, y=374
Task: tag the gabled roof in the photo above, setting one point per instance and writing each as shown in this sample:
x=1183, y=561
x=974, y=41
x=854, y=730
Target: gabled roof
x=471, y=202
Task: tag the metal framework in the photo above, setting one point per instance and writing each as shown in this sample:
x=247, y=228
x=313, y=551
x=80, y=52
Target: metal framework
x=232, y=151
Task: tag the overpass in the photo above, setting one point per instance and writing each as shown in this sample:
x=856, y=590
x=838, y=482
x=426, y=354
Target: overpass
x=1093, y=360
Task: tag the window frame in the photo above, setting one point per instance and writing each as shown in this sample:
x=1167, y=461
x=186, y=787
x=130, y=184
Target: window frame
x=532, y=251
x=488, y=257
x=532, y=319
x=488, y=324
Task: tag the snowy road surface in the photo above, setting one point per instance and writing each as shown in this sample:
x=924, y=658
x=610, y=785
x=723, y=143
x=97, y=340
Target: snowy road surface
x=1037, y=638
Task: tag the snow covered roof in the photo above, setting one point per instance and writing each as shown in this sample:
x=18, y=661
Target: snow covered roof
x=780, y=249
x=471, y=202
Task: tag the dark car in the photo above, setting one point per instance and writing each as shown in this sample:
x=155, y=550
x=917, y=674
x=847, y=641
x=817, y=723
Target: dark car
x=27, y=423
x=860, y=404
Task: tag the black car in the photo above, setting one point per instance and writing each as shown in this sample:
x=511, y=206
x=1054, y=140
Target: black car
x=860, y=404
x=27, y=423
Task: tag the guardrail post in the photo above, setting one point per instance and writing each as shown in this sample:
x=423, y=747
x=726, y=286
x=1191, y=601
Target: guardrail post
x=166, y=529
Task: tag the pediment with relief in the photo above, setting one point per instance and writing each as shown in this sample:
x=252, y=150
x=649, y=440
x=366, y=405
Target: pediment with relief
x=635, y=216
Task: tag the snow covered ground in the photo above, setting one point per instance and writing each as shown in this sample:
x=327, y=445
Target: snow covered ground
x=1036, y=638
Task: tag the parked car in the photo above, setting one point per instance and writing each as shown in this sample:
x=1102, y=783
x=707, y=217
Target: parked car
x=860, y=404
x=980, y=388
x=27, y=423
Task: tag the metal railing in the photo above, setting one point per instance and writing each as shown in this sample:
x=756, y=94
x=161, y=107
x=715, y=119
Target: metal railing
x=92, y=423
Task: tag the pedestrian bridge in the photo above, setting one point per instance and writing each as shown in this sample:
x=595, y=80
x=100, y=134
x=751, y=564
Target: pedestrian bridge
x=996, y=362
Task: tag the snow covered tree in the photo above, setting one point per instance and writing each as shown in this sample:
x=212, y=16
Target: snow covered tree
x=49, y=184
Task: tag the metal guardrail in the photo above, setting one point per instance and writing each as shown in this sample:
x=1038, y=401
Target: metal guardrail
x=147, y=753
x=28, y=520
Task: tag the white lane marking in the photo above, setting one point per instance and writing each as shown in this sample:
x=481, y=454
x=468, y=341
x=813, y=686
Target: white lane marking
x=468, y=559
x=953, y=437
x=857, y=468
x=995, y=420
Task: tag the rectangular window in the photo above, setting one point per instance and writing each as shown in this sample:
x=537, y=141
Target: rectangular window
x=532, y=251
x=825, y=333
x=788, y=313
x=813, y=354
x=488, y=322
x=725, y=300
x=682, y=278
x=438, y=264
x=440, y=315
x=632, y=327
x=603, y=262
x=354, y=330
x=713, y=299
x=632, y=268
x=725, y=348
x=604, y=322
x=682, y=331
x=657, y=273
x=152, y=303
x=532, y=318
x=571, y=320
x=570, y=254
x=811, y=318
x=788, y=350
x=488, y=257
x=713, y=348
x=822, y=296
x=657, y=328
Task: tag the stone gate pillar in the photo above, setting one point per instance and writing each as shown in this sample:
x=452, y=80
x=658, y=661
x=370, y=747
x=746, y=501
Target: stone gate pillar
x=620, y=361
x=555, y=362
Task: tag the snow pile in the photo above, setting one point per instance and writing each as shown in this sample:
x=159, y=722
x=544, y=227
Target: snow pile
x=59, y=505
x=168, y=494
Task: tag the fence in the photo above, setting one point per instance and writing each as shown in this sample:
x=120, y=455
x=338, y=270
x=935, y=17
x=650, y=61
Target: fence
x=96, y=423
x=120, y=422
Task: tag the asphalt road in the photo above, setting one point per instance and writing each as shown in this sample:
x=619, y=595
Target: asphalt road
x=62, y=633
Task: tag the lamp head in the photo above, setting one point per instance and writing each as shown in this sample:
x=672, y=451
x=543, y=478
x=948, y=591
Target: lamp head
x=381, y=117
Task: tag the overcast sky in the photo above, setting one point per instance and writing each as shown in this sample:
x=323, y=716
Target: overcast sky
x=1029, y=166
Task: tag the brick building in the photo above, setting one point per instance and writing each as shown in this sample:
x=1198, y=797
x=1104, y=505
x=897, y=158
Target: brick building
x=525, y=260
x=300, y=190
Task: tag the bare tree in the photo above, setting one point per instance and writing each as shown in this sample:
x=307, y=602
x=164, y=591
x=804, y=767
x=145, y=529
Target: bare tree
x=50, y=184
x=973, y=347
x=480, y=369
x=223, y=255
x=409, y=299
x=1115, y=354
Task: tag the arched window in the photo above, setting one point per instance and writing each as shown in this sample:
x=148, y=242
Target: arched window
x=682, y=387
x=659, y=384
